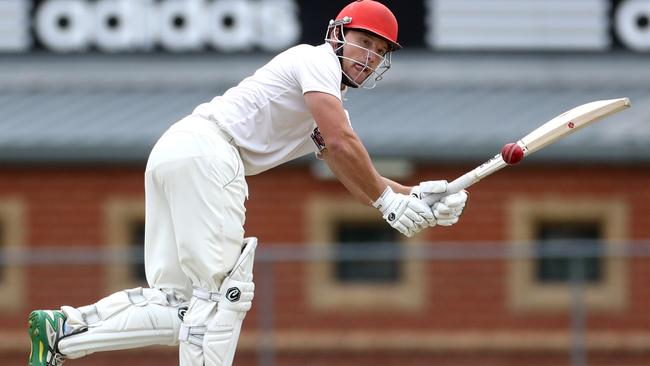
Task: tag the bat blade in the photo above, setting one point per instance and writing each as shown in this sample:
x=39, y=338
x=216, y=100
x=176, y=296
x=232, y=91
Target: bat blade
x=570, y=122
x=548, y=133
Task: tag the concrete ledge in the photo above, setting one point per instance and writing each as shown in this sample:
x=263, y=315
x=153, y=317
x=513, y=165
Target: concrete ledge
x=408, y=341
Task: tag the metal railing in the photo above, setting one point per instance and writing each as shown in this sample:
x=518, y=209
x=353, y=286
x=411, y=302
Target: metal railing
x=269, y=255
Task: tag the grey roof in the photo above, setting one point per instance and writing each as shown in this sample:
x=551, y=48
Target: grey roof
x=70, y=125
x=443, y=108
x=465, y=124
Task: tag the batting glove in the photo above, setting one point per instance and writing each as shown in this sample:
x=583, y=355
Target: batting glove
x=429, y=187
x=447, y=211
x=407, y=214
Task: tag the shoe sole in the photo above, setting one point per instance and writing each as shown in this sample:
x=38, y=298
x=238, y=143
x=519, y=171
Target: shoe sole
x=39, y=344
x=38, y=352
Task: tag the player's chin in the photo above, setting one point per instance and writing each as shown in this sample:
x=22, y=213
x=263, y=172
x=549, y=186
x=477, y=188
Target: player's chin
x=359, y=76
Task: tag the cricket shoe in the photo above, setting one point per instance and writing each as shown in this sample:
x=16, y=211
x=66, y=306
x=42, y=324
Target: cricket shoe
x=45, y=331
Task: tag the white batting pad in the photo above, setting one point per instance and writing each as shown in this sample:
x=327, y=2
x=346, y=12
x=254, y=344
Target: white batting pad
x=237, y=291
x=126, y=319
x=193, y=330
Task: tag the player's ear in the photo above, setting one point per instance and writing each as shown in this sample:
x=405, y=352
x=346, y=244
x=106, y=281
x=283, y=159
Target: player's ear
x=336, y=33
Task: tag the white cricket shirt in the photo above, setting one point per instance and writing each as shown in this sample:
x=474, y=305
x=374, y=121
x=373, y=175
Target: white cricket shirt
x=266, y=113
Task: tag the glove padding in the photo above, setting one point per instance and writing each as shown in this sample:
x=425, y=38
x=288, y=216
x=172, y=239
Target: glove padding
x=446, y=211
x=429, y=187
x=407, y=214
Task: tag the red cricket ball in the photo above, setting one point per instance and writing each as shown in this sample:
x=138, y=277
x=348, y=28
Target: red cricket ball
x=512, y=153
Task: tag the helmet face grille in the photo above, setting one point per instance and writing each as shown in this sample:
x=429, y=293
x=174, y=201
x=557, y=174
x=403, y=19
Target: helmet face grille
x=337, y=38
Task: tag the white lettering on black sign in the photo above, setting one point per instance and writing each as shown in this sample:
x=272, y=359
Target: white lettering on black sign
x=14, y=26
x=177, y=26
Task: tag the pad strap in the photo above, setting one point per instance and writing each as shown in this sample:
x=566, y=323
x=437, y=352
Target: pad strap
x=90, y=314
x=192, y=334
x=206, y=295
x=136, y=296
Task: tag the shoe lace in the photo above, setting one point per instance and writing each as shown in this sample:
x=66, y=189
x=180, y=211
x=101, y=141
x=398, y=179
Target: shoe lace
x=58, y=359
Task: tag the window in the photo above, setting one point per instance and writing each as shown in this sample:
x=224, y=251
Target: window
x=3, y=248
x=124, y=223
x=364, y=239
x=136, y=242
x=551, y=226
x=344, y=225
x=12, y=237
x=558, y=237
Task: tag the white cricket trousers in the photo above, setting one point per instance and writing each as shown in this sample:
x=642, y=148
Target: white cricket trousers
x=195, y=191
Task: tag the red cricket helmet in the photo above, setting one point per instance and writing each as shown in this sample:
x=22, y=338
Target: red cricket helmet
x=374, y=17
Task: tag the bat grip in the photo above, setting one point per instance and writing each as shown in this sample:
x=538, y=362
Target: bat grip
x=454, y=186
x=468, y=179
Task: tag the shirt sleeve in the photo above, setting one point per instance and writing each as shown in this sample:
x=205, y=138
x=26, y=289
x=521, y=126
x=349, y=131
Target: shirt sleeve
x=320, y=71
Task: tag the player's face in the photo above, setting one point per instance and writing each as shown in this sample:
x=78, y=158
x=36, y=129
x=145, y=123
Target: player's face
x=363, y=53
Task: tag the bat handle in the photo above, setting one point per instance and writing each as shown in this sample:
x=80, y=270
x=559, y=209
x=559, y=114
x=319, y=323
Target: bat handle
x=468, y=178
x=454, y=186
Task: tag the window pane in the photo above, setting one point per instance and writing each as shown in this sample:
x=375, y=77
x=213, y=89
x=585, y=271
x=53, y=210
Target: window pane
x=3, y=246
x=137, y=250
x=358, y=239
x=560, y=237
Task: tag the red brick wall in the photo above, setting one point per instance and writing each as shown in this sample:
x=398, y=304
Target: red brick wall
x=64, y=207
x=485, y=219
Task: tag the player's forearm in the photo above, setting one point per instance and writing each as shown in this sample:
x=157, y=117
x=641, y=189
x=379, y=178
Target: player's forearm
x=396, y=187
x=351, y=164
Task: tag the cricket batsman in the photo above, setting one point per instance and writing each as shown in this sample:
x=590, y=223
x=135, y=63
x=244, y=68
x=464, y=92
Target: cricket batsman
x=198, y=264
